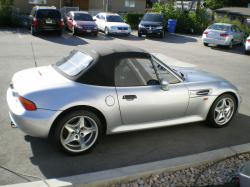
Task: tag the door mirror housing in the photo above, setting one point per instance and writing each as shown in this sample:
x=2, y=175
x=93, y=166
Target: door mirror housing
x=27, y=13
x=164, y=84
x=94, y=19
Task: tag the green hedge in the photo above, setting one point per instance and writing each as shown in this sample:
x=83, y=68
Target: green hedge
x=132, y=18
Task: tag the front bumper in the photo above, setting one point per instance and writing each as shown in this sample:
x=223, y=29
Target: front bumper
x=150, y=32
x=34, y=123
x=247, y=47
x=86, y=31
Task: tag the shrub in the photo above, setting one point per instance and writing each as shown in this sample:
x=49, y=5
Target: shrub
x=132, y=18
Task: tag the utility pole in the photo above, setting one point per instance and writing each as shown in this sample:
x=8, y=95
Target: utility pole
x=198, y=7
x=79, y=4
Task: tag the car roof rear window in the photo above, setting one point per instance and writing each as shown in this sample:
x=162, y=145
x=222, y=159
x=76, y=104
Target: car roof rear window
x=48, y=13
x=219, y=27
x=114, y=18
x=75, y=62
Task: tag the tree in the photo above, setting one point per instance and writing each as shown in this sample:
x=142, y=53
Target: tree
x=215, y=4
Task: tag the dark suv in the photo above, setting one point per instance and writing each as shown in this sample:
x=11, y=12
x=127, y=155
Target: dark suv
x=152, y=24
x=44, y=18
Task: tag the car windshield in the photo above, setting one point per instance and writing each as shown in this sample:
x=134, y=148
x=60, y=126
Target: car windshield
x=113, y=18
x=48, y=14
x=219, y=27
x=152, y=17
x=74, y=62
x=83, y=17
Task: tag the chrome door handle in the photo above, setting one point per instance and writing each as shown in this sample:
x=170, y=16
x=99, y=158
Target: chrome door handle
x=129, y=97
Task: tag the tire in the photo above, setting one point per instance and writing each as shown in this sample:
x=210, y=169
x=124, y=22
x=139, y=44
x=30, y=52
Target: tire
x=222, y=111
x=74, y=137
x=243, y=41
x=33, y=33
x=59, y=33
x=230, y=46
x=205, y=44
x=162, y=35
x=106, y=31
x=139, y=35
x=73, y=30
x=29, y=28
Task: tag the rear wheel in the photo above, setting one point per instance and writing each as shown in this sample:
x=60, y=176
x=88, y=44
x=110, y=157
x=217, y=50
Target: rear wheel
x=205, y=44
x=139, y=34
x=162, y=35
x=78, y=132
x=59, y=33
x=32, y=31
x=222, y=111
x=230, y=46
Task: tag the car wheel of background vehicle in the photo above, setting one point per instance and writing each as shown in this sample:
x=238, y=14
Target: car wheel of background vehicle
x=222, y=111
x=33, y=33
x=139, y=34
x=230, y=46
x=59, y=33
x=243, y=41
x=29, y=27
x=205, y=44
x=95, y=34
x=162, y=35
x=78, y=132
x=106, y=31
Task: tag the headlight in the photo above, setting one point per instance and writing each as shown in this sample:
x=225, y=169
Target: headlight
x=141, y=26
x=96, y=27
x=113, y=27
x=79, y=26
x=159, y=27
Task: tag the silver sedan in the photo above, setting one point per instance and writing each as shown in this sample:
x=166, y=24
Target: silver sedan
x=223, y=34
x=100, y=89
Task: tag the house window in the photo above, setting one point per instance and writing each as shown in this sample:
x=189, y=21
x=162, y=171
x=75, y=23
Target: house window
x=130, y=3
x=41, y=2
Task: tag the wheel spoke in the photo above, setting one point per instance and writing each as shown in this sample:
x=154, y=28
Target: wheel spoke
x=82, y=142
x=88, y=131
x=69, y=128
x=70, y=138
x=219, y=117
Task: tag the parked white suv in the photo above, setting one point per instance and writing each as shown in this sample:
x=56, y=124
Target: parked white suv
x=111, y=23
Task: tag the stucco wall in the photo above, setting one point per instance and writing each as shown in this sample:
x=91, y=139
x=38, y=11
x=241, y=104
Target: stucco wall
x=118, y=5
x=24, y=5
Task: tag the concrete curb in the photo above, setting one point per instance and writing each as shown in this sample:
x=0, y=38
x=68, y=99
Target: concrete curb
x=130, y=173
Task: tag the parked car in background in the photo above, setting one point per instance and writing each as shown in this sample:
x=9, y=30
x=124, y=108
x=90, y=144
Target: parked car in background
x=80, y=22
x=107, y=88
x=247, y=45
x=152, y=24
x=223, y=34
x=111, y=23
x=45, y=18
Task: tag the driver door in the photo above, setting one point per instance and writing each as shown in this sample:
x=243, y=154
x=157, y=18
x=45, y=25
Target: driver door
x=140, y=96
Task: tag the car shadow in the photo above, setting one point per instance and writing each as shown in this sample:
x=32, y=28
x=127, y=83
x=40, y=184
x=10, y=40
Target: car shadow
x=237, y=49
x=125, y=149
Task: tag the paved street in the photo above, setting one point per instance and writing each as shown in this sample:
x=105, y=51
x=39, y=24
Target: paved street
x=34, y=156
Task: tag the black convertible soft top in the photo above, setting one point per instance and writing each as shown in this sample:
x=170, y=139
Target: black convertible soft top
x=102, y=69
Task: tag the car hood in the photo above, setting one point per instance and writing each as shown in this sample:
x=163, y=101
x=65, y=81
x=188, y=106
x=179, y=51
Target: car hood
x=36, y=78
x=117, y=24
x=195, y=75
x=151, y=23
x=85, y=23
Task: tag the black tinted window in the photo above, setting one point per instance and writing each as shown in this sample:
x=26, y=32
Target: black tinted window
x=83, y=17
x=219, y=27
x=152, y=17
x=48, y=14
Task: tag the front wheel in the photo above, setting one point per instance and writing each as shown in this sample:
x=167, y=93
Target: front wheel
x=222, y=111
x=162, y=35
x=139, y=34
x=106, y=31
x=78, y=132
x=205, y=44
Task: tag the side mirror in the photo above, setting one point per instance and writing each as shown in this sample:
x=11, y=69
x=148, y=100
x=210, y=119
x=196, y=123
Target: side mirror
x=139, y=18
x=94, y=19
x=164, y=84
x=70, y=19
x=27, y=13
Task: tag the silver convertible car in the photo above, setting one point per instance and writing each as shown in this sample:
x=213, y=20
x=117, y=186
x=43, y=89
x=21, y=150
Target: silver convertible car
x=100, y=89
x=223, y=34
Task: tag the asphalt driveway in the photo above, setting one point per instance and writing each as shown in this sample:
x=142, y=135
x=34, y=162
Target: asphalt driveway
x=39, y=157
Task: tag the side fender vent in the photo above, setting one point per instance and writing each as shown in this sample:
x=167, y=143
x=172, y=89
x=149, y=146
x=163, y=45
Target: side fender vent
x=203, y=92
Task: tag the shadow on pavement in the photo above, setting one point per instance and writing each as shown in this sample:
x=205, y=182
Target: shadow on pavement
x=237, y=49
x=139, y=147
